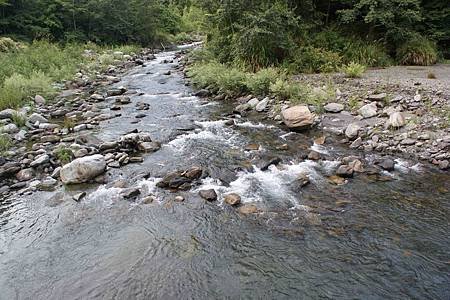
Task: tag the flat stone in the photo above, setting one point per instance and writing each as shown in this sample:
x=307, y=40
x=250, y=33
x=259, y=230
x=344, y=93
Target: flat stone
x=334, y=107
x=377, y=97
x=248, y=209
x=40, y=160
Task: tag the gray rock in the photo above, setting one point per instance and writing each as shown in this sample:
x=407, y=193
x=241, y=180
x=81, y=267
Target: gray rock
x=208, y=195
x=386, y=164
x=25, y=175
x=83, y=169
x=20, y=136
x=345, y=171
x=40, y=160
x=97, y=97
x=7, y=113
x=396, y=120
x=35, y=117
x=130, y=193
x=334, y=107
x=48, y=183
x=39, y=100
x=352, y=131
x=253, y=102
x=377, y=97
x=297, y=117
x=9, y=128
x=356, y=143
x=262, y=105
x=368, y=110
x=149, y=146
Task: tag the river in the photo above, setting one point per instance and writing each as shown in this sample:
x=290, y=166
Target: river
x=367, y=239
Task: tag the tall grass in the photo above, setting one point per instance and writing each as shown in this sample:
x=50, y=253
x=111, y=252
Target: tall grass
x=418, y=51
x=34, y=68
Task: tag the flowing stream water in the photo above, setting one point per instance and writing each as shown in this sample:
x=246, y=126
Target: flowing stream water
x=367, y=239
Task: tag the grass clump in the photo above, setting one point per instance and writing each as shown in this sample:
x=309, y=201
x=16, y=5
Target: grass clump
x=18, y=88
x=19, y=119
x=310, y=59
x=354, y=70
x=5, y=143
x=64, y=155
x=419, y=52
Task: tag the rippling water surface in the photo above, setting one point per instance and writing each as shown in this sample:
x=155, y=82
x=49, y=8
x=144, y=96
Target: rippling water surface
x=368, y=239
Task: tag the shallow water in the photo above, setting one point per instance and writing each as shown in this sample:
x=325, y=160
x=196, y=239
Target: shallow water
x=368, y=239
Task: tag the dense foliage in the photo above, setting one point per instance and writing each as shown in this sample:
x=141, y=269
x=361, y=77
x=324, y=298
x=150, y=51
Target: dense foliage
x=320, y=35
x=100, y=21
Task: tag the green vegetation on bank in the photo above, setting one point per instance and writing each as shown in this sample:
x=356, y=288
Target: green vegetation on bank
x=232, y=81
x=33, y=69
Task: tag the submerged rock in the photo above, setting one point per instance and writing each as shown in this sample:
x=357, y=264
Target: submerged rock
x=83, y=169
x=248, y=209
x=208, y=195
x=180, y=180
x=232, y=199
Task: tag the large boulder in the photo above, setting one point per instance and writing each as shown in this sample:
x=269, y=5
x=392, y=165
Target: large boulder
x=83, y=169
x=297, y=117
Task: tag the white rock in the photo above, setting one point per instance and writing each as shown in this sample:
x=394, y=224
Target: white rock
x=368, y=110
x=334, y=107
x=40, y=160
x=262, y=105
x=253, y=102
x=35, y=117
x=396, y=120
x=297, y=117
x=352, y=130
x=83, y=169
x=9, y=128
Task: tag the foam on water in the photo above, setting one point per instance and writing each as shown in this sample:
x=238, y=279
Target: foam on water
x=271, y=185
x=253, y=125
x=320, y=149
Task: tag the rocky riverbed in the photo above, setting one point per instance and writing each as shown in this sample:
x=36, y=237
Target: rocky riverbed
x=134, y=185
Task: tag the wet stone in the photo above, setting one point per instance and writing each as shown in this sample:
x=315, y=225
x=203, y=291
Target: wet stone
x=208, y=195
x=232, y=199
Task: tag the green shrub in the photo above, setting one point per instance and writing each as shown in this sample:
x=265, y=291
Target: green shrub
x=200, y=55
x=354, y=70
x=259, y=82
x=181, y=38
x=232, y=81
x=287, y=90
x=17, y=88
x=263, y=38
x=204, y=75
x=365, y=53
x=418, y=51
x=311, y=60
